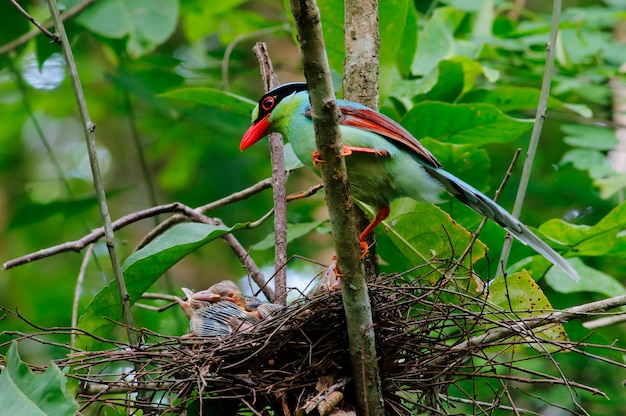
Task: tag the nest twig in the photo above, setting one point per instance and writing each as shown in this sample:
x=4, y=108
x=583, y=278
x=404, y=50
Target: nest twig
x=295, y=359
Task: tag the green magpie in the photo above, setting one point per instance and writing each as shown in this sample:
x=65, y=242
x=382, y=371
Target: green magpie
x=384, y=161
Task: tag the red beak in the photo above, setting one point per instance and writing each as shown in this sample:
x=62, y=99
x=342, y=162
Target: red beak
x=255, y=133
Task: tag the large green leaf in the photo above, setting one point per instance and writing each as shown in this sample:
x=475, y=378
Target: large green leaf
x=585, y=240
x=590, y=137
x=23, y=393
x=392, y=19
x=331, y=12
x=436, y=40
x=423, y=233
x=520, y=297
x=141, y=270
x=478, y=124
x=145, y=23
x=593, y=280
x=511, y=98
x=213, y=98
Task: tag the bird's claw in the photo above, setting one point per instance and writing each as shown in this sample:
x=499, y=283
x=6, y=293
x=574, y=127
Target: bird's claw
x=317, y=159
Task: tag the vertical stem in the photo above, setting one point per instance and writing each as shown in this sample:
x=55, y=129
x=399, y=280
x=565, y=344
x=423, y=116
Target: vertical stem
x=325, y=116
x=540, y=116
x=270, y=80
x=90, y=127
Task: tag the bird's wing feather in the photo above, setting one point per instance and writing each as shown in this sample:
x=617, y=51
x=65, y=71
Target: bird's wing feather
x=370, y=120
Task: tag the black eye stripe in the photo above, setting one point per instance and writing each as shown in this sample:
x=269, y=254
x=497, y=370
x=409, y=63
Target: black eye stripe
x=271, y=99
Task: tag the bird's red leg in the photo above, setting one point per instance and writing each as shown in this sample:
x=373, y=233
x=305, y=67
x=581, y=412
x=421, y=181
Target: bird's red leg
x=380, y=217
x=347, y=151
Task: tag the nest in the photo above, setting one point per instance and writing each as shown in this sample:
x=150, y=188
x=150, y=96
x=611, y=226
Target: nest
x=298, y=361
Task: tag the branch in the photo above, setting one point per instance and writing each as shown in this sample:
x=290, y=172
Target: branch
x=8, y=47
x=89, y=129
x=521, y=327
x=270, y=80
x=325, y=115
x=55, y=38
x=542, y=109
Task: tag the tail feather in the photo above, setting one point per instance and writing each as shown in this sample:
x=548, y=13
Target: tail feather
x=482, y=204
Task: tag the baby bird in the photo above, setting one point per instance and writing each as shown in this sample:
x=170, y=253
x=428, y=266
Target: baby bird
x=217, y=317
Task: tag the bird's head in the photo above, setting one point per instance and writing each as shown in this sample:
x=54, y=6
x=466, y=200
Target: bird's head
x=225, y=290
x=272, y=108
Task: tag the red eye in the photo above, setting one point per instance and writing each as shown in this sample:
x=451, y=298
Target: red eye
x=268, y=103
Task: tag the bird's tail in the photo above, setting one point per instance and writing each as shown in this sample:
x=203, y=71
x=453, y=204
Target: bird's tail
x=482, y=204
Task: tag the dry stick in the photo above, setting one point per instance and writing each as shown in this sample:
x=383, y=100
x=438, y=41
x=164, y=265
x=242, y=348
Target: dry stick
x=542, y=108
x=522, y=327
x=55, y=38
x=35, y=32
x=96, y=234
x=325, y=116
x=177, y=219
x=90, y=127
x=270, y=80
x=78, y=289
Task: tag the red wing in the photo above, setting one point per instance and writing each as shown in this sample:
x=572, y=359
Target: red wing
x=367, y=119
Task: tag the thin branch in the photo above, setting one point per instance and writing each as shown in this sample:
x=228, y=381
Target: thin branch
x=55, y=38
x=542, y=109
x=78, y=290
x=177, y=219
x=270, y=80
x=523, y=326
x=8, y=47
x=89, y=129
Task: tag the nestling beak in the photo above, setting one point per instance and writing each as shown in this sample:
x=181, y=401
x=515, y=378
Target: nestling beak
x=206, y=296
x=256, y=132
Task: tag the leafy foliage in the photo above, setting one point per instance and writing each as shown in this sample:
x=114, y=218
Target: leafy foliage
x=25, y=393
x=178, y=79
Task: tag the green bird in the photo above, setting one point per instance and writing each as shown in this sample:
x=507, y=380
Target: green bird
x=384, y=161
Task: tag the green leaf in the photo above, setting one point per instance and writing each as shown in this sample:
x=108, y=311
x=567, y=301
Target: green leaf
x=593, y=161
x=203, y=18
x=520, y=294
x=408, y=42
x=610, y=185
x=436, y=40
x=478, y=124
x=144, y=23
x=593, y=280
x=33, y=212
x=141, y=270
x=213, y=98
x=509, y=98
x=449, y=82
x=294, y=231
x=423, y=233
x=331, y=12
x=392, y=18
x=464, y=161
x=586, y=240
x=590, y=137
x=25, y=393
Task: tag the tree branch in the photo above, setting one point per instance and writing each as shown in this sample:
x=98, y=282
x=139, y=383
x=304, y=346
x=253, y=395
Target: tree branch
x=89, y=129
x=8, y=47
x=325, y=115
x=270, y=80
